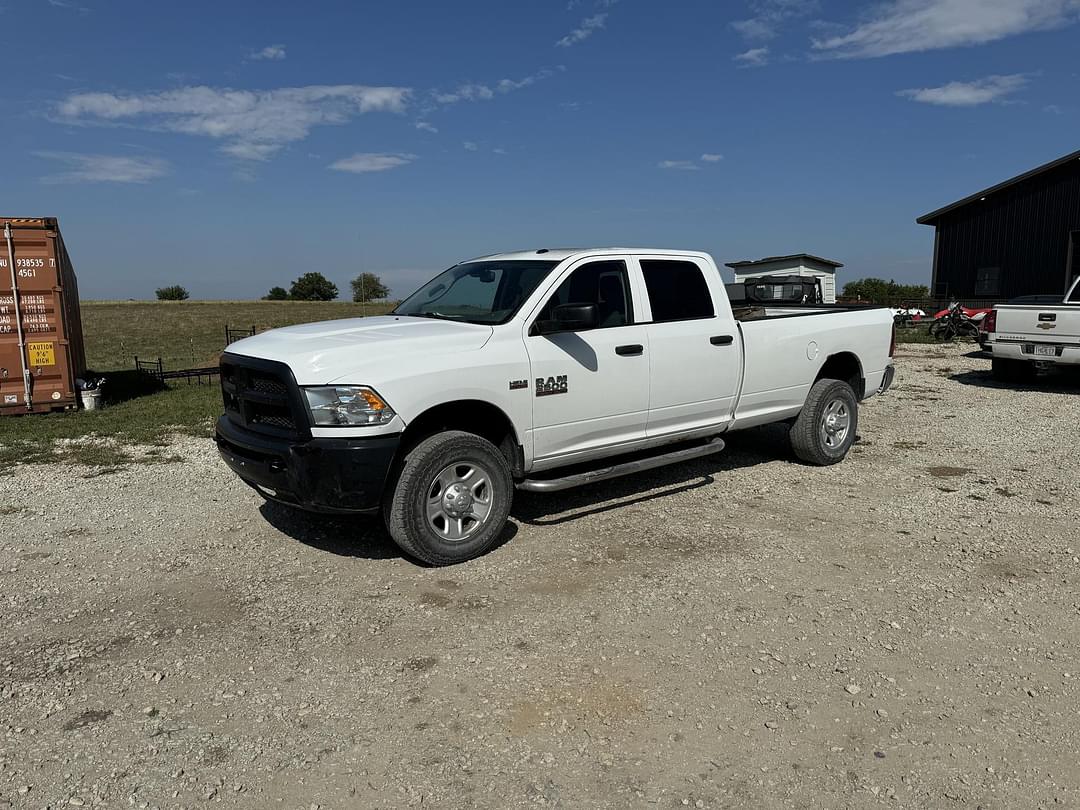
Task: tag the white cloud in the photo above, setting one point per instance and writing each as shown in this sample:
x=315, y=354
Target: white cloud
x=271, y=53
x=712, y=157
x=755, y=57
x=363, y=162
x=84, y=168
x=968, y=94
x=684, y=165
x=427, y=127
x=473, y=91
x=470, y=146
x=586, y=29
x=770, y=15
x=1053, y=109
x=906, y=26
x=253, y=124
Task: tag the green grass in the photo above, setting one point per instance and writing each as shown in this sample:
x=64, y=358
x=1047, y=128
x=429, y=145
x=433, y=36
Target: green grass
x=183, y=334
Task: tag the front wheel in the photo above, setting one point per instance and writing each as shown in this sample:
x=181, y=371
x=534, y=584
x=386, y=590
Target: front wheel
x=451, y=499
x=825, y=428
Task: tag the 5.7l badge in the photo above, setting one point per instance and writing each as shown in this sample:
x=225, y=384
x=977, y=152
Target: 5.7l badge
x=551, y=385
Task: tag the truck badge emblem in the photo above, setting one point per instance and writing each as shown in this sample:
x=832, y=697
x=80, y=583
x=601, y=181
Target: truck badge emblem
x=550, y=386
x=1045, y=325
x=517, y=385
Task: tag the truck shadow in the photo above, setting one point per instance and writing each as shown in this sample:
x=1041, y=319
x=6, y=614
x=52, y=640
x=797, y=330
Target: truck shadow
x=744, y=449
x=1056, y=382
x=366, y=537
x=361, y=537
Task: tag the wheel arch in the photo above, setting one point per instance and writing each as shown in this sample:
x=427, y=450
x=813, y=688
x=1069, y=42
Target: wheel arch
x=847, y=367
x=477, y=416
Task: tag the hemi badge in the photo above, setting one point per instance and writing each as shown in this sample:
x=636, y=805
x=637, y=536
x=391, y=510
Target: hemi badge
x=517, y=385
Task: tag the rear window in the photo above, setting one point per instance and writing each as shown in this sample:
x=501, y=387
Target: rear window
x=677, y=290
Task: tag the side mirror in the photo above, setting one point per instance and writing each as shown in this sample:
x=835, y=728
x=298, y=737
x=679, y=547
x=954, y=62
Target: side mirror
x=575, y=317
x=569, y=318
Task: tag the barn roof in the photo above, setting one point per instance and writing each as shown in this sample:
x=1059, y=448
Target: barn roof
x=929, y=219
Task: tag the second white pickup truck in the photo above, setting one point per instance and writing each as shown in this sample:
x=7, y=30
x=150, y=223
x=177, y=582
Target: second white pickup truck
x=1021, y=337
x=537, y=370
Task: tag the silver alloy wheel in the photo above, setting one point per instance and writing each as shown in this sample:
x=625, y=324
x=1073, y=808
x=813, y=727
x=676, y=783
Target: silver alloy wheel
x=459, y=500
x=835, y=424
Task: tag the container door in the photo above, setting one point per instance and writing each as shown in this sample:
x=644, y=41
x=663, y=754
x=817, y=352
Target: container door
x=31, y=294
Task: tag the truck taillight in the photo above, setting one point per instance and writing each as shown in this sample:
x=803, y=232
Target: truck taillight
x=892, y=341
x=989, y=323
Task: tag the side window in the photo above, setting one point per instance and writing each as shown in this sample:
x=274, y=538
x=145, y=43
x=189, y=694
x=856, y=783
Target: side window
x=677, y=290
x=604, y=283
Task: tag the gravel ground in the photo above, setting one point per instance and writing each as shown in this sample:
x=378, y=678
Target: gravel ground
x=738, y=632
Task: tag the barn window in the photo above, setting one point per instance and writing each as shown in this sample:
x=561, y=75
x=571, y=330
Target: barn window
x=987, y=280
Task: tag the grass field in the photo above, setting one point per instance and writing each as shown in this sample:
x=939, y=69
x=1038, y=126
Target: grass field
x=183, y=334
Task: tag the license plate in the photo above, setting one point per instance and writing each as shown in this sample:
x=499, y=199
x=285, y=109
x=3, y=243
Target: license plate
x=1046, y=351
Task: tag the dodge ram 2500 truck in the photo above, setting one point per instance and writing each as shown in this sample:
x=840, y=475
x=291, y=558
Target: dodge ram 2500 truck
x=1020, y=336
x=537, y=370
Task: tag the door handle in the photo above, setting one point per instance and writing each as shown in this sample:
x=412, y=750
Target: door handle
x=630, y=349
x=722, y=340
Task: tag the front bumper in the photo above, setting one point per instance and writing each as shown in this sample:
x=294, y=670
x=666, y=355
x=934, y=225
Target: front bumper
x=333, y=475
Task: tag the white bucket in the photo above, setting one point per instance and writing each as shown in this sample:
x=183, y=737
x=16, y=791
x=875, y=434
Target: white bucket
x=91, y=399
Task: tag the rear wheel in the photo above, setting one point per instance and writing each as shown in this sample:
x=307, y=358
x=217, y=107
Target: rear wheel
x=825, y=428
x=451, y=499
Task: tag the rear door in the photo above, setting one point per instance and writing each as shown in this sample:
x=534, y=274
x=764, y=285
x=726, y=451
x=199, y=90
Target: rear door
x=590, y=388
x=695, y=353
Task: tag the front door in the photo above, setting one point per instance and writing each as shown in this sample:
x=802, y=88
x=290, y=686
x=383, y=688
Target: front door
x=590, y=387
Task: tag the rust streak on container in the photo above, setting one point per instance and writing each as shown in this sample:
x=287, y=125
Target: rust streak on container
x=48, y=311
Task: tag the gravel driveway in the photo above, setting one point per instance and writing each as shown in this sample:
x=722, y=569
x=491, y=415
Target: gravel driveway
x=742, y=631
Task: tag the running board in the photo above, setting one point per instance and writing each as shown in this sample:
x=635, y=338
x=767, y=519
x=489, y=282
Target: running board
x=617, y=470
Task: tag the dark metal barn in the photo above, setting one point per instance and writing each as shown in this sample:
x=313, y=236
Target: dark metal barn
x=1020, y=237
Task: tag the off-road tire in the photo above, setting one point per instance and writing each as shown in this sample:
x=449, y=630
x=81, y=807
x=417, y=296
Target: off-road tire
x=405, y=506
x=806, y=433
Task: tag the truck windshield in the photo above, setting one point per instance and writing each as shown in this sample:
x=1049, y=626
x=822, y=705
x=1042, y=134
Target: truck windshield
x=486, y=292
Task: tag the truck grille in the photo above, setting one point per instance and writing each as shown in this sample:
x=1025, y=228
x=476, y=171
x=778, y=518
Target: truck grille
x=261, y=395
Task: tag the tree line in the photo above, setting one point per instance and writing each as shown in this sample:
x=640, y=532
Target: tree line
x=879, y=291
x=366, y=287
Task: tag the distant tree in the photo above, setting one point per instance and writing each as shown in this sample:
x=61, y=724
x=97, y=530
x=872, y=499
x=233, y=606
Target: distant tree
x=879, y=291
x=277, y=294
x=173, y=293
x=313, y=287
x=368, y=287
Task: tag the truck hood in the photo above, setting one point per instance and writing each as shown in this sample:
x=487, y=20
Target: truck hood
x=348, y=350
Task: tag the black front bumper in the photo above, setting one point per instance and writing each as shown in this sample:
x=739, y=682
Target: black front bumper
x=345, y=475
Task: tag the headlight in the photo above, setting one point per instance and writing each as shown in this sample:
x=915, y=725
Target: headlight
x=347, y=405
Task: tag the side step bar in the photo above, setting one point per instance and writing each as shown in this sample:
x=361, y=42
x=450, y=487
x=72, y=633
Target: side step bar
x=617, y=470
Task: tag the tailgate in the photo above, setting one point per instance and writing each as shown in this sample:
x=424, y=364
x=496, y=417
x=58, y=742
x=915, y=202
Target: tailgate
x=1045, y=324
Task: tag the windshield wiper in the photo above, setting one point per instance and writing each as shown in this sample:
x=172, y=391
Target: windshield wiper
x=434, y=315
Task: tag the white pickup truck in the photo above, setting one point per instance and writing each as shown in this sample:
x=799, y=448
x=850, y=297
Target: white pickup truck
x=1023, y=337
x=538, y=370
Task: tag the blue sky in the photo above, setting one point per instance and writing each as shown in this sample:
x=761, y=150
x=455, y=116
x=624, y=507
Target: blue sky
x=232, y=146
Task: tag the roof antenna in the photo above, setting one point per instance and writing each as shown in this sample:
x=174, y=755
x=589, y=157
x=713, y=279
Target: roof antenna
x=542, y=250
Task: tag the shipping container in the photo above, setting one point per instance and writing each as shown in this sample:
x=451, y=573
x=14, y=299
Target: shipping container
x=41, y=337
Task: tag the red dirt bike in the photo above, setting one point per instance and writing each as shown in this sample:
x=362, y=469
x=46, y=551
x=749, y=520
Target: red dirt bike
x=957, y=322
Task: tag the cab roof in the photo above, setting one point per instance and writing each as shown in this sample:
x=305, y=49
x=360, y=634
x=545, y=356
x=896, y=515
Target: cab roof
x=561, y=254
